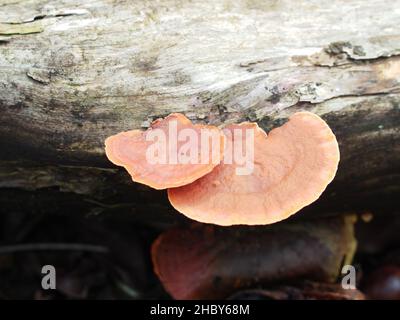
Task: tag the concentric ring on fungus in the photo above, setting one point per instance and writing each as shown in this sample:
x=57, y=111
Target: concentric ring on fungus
x=293, y=165
x=130, y=149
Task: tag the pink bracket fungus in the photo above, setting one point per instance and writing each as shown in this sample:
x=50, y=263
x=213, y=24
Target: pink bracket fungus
x=293, y=165
x=173, y=152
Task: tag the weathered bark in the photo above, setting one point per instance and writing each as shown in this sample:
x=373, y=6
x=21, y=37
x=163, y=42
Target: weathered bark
x=75, y=72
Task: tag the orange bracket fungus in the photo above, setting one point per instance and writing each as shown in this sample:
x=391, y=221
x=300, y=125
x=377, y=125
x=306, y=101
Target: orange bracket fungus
x=292, y=166
x=201, y=261
x=173, y=152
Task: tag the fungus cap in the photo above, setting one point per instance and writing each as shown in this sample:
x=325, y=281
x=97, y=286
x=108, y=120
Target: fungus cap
x=292, y=167
x=131, y=150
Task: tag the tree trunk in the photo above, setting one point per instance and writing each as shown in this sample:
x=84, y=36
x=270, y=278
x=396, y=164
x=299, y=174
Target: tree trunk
x=74, y=72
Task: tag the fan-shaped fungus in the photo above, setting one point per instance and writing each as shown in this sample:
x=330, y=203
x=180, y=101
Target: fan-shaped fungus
x=292, y=167
x=171, y=153
x=201, y=261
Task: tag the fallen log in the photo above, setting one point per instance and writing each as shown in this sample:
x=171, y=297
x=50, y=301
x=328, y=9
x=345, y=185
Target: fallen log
x=74, y=72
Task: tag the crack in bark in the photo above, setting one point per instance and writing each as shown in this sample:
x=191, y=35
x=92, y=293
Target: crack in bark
x=45, y=16
x=377, y=94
